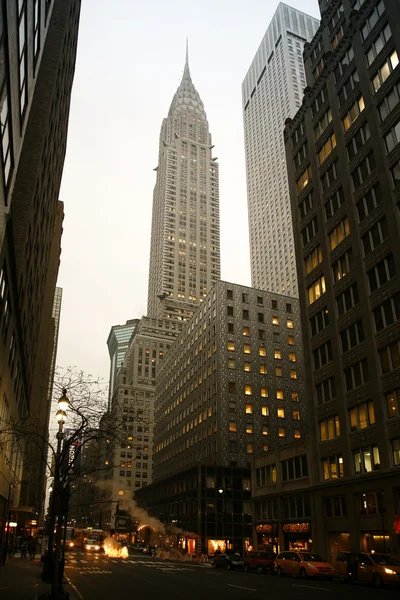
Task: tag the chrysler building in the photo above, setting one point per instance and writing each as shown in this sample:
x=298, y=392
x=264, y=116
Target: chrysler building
x=185, y=237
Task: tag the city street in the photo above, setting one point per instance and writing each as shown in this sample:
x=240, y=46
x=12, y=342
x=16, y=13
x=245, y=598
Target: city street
x=95, y=577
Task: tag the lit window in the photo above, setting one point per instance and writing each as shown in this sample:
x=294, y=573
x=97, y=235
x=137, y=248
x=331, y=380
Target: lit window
x=231, y=363
x=279, y=394
x=246, y=349
x=289, y=324
x=291, y=340
x=262, y=351
x=246, y=331
x=250, y=448
x=264, y=392
x=249, y=409
x=265, y=430
x=249, y=428
x=248, y=390
x=281, y=413
x=293, y=374
x=282, y=432
x=232, y=426
x=275, y=321
x=231, y=346
x=247, y=367
x=296, y=415
x=278, y=354
x=265, y=410
x=295, y=396
x=278, y=371
x=263, y=369
x=292, y=357
x=296, y=434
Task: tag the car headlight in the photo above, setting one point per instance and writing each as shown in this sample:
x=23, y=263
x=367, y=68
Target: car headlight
x=71, y=544
x=97, y=547
x=311, y=565
x=390, y=571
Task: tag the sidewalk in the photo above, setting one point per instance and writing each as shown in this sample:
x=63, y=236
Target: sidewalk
x=20, y=579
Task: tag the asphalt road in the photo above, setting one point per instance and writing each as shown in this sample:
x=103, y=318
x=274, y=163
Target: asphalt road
x=95, y=577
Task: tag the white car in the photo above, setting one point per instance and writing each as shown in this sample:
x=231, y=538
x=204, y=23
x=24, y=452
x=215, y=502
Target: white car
x=92, y=546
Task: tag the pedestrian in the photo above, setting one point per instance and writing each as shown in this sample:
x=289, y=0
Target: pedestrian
x=24, y=548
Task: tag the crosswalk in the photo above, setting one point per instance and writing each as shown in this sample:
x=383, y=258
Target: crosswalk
x=74, y=562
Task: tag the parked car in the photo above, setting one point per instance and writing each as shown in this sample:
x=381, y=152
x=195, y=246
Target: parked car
x=92, y=545
x=228, y=561
x=262, y=562
x=303, y=564
x=378, y=569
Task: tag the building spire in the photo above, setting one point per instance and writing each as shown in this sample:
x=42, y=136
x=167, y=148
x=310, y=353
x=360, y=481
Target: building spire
x=186, y=71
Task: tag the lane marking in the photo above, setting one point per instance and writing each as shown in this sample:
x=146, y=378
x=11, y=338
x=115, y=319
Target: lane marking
x=241, y=587
x=73, y=587
x=311, y=587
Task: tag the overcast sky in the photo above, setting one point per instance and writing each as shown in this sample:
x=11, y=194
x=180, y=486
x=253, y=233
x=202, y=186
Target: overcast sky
x=130, y=61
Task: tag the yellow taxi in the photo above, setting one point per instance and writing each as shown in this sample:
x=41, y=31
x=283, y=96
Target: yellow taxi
x=303, y=564
x=368, y=567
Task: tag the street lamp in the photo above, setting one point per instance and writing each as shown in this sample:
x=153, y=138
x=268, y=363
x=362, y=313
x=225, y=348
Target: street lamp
x=51, y=565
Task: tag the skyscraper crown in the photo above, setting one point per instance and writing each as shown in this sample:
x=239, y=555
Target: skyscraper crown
x=186, y=96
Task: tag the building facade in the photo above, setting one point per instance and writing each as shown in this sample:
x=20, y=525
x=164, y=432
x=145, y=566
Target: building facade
x=118, y=343
x=38, y=45
x=185, y=238
x=272, y=92
x=230, y=387
x=343, y=165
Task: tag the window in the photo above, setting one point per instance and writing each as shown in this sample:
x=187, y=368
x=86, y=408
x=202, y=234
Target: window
x=247, y=367
x=358, y=140
x=371, y=503
x=250, y=448
x=294, y=468
x=352, y=336
x=387, y=313
x=390, y=357
x=264, y=392
x=381, y=273
x=389, y=102
x=306, y=205
x=347, y=299
x=329, y=176
x=300, y=156
x=245, y=297
x=326, y=390
x=340, y=232
x=377, y=45
x=393, y=404
x=363, y=171
x=334, y=203
x=292, y=357
x=323, y=123
x=343, y=265
x=275, y=320
x=249, y=428
x=319, y=321
x=318, y=69
x=265, y=411
x=313, y=259
x=246, y=314
x=249, y=409
x=327, y=149
x=335, y=506
x=366, y=460
x=288, y=308
x=291, y=341
x=353, y=113
x=232, y=426
x=277, y=354
x=231, y=363
x=22, y=53
x=246, y=349
x=309, y=231
x=260, y=317
x=362, y=416
x=316, y=290
x=229, y=294
x=278, y=371
x=322, y=355
x=296, y=433
x=393, y=137
x=281, y=432
x=348, y=87
x=280, y=413
x=298, y=134
x=289, y=324
x=375, y=236
x=248, y=390
x=231, y=327
x=329, y=428
x=296, y=415
x=231, y=346
x=356, y=375
x=372, y=19
x=231, y=387
x=293, y=374
x=396, y=451
x=260, y=300
x=337, y=37
x=385, y=70
x=265, y=428
x=303, y=180
x=369, y=202
x=246, y=331
x=265, y=475
x=229, y=310
x=279, y=394
x=261, y=334
x=332, y=467
x=319, y=101
x=395, y=171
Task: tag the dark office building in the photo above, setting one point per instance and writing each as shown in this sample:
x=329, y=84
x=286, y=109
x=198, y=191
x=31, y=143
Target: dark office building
x=37, y=50
x=343, y=156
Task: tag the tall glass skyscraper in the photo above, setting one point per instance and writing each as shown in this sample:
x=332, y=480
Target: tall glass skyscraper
x=185, y=240
x=271, y=92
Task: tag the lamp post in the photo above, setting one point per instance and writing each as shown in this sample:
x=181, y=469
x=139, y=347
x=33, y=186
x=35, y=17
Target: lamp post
x=51, y=565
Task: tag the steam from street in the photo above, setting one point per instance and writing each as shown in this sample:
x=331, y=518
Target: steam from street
x=112, y=549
